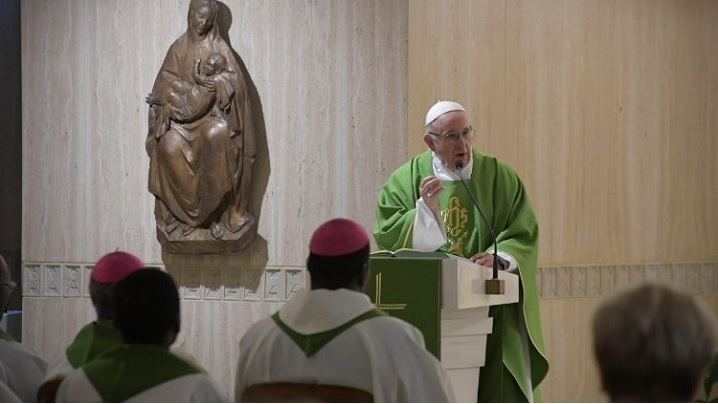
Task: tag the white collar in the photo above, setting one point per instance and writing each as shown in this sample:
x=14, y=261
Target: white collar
x=444, y=174
x=318, y=310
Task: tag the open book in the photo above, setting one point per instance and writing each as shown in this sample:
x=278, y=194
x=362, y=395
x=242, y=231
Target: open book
x=410, y=252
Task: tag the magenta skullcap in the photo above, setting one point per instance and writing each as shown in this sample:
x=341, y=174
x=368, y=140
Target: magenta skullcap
x=114, y=267
x=338, y=237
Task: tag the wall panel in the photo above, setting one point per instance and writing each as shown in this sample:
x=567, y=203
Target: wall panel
x=607, y=111
x=605, y=108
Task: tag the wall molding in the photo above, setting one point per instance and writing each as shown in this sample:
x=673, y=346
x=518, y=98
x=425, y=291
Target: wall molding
x=272, y=284
x=278, y=284
x=602, y=280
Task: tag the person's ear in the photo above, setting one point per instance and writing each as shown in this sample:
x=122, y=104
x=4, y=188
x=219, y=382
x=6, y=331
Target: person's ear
x=172, y=332
x=429, y=141
x=364, y=276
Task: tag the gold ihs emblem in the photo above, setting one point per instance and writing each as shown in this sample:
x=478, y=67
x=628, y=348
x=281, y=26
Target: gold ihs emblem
x=455, y=219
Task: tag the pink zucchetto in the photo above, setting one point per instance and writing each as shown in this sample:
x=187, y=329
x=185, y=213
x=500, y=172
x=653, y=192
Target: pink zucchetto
x=114, y=267
x=441, y=108
x=338, y=237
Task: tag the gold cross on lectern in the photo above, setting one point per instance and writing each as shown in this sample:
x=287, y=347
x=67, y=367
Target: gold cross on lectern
x=385, y=306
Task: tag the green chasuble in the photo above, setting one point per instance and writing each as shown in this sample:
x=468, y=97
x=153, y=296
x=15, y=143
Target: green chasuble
x=93, y=340
x=504, y=201
x=132, y=369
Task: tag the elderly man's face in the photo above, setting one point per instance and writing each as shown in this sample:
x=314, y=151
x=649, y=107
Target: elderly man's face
x=455, y=124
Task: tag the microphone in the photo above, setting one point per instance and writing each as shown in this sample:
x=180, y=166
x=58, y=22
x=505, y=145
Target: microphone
x=495, y=273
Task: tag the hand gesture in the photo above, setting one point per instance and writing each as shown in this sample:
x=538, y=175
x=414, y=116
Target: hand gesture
x=429, y=189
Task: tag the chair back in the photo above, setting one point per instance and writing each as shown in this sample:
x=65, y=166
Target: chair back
x=304, y=393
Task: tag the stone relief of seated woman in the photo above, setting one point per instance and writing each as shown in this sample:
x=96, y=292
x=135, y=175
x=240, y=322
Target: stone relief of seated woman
x=200, y=141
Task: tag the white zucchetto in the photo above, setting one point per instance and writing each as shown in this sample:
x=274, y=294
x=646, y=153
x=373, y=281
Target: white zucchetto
x=441, y=108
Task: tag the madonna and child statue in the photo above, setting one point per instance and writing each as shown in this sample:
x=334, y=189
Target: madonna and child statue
x=201, y=142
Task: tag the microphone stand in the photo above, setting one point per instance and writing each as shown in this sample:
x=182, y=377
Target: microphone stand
x=494, y=286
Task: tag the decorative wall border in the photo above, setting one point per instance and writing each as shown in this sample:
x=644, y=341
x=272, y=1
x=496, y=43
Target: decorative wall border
x=273, y=284
x=277, y=284
x=601, y=280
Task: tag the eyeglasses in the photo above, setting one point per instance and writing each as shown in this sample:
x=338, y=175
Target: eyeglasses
x=452, y=137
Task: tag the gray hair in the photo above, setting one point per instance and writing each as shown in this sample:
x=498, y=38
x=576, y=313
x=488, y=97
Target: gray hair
x=652, y=343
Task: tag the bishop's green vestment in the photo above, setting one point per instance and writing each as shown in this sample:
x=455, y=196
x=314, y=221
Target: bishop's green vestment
x=504, y=202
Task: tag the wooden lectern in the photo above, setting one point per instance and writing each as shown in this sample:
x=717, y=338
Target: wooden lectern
x=444, y=298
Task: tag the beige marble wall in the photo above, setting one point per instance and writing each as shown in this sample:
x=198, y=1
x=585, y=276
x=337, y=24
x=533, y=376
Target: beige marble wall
x=330, y=77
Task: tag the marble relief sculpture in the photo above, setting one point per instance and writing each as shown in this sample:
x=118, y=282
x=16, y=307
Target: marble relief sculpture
x=201, y=142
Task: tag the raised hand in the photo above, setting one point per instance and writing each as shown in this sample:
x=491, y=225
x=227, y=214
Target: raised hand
x=429, y=189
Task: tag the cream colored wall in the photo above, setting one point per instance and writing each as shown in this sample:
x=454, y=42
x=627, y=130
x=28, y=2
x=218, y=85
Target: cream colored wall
x=607, y=109
x=331, y=81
